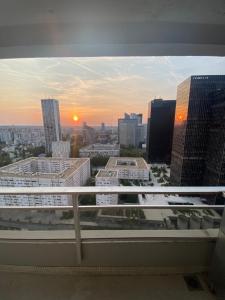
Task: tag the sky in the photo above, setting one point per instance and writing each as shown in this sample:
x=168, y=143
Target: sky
x=95, y=89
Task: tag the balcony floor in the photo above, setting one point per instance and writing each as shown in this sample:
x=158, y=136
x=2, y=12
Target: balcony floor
x=60, y=287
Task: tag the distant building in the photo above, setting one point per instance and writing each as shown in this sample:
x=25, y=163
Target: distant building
x=160, y=130
x=103, y=127
x=107, y=178
x=128, y=130
x=103, y=135
x=100, y=150
x=198, y=126
x=25, y=135
x=46, y=172
x=141, y=135
x=89, y=134
x=129, y=167
x=6, y=135
x=61, y=149
x=135, y=116
x=51, y=121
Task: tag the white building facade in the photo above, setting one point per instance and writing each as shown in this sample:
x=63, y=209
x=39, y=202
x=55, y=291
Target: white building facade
x=129, y=130
x=44, y=172
x=25, y=135
x=107, y=178
x=132, y=168
x=61, y=149
x=95, y=150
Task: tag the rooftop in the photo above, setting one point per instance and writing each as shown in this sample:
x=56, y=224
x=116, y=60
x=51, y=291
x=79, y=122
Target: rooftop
x=101, y=147
x=46, y=167
x=107, y=173
x=126, y=162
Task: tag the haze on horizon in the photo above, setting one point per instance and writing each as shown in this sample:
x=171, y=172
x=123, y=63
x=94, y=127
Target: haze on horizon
x=95, y=89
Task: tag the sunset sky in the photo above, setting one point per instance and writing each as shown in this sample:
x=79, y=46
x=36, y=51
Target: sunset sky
x=95, y=89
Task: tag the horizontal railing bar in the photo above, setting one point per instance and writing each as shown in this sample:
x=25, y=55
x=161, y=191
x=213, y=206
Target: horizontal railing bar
x=97, y=207
x=37, y=207
x=110, y=190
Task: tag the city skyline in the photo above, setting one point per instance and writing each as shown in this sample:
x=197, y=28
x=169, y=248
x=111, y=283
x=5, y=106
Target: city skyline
x=93, y=88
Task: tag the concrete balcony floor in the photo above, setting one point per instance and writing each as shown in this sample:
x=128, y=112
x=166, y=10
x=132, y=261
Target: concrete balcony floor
x=15, y=285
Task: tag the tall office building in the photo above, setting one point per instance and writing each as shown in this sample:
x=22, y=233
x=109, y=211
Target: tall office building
x=141, y=135
x=160, y=130
x=128, y=129
x=51, y=120
x=215, y=157
x=136, y=116
x=193, y=132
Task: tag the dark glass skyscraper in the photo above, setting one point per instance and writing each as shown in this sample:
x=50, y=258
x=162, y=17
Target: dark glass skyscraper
x=160, y=130
x=194, y=108
x=215, y=156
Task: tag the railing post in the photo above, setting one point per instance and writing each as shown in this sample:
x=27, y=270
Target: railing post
x=76, y=217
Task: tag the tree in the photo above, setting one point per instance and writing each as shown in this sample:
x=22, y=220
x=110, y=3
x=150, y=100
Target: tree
x=131, y=152
x=5, y=159
x=99, y=161
x=37, y=150
x=87, y=200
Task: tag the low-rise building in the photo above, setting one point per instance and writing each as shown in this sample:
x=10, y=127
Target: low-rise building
x=44, y=172
x=100, y=150
x=107, y=178
x=61, y=149
x=129, y=167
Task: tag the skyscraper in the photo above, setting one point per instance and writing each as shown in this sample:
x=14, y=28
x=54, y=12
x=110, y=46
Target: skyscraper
x=128, y=129
x=51, y=120
x=215, y=156
x=196, y=97
x=160, y=130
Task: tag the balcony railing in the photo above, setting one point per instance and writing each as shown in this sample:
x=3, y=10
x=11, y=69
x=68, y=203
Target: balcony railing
x=74, y=192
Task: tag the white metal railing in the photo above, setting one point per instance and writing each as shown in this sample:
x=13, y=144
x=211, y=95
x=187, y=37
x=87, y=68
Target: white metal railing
x=76, y=191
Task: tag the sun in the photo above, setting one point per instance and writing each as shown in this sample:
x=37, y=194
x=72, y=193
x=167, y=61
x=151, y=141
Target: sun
x=75, y=118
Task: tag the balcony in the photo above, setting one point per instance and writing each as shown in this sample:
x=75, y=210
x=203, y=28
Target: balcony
x=111, y=264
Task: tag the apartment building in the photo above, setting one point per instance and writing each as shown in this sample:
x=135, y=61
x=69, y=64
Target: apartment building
x=129, y=167
x=44, y=172
x=100, y=150
x=107, y=178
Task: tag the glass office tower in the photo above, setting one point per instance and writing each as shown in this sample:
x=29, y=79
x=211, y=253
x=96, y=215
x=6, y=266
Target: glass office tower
x=160, y=130
x=215, y=156
x=195, y=100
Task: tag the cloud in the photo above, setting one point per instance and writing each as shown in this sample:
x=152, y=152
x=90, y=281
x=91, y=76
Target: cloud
x=99, y=89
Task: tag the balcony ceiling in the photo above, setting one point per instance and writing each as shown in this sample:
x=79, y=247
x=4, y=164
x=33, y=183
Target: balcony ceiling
x=31, y=28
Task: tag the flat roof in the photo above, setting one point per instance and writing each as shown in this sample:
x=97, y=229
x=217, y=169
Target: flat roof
x=99, y=147
x=12, y=171
x=107, y=173
x=126, y=163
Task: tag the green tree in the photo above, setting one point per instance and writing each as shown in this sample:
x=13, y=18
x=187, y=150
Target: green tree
x=38, y=150
x=99, y=161
x=5, y=159
x=131, y=152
